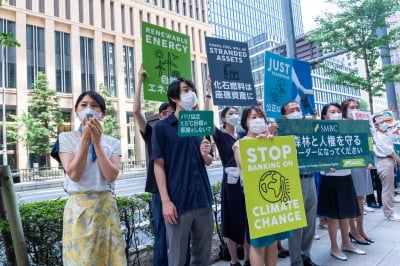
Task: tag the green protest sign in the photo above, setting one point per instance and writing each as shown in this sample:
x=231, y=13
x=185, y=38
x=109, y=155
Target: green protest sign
x=274, y=201
x=165, y=56
x=195, y=123
x=325, y=144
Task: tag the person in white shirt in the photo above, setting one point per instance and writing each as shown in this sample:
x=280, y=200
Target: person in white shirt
x=385, y=164
x=91, y=224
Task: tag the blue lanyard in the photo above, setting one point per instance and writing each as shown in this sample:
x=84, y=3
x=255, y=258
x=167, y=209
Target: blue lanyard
x=91, y=147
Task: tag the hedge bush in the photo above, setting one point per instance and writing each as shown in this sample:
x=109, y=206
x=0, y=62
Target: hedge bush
x=42, y=225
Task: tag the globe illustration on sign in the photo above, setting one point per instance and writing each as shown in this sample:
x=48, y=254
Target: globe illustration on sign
x=274, y=187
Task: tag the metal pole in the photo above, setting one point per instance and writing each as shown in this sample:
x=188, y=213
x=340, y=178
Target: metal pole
x=390, y=88
x=288, y=26
x=13, y=216
x=3, y=77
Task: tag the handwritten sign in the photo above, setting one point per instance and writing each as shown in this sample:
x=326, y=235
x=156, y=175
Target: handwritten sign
x=195, y=123
x=274, y=201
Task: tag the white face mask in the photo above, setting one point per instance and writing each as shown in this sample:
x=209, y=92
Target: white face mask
x=257, y=126
x=295, y=115
x=335, y=116
x=188, y=100
x=350, y=113
x=383, y=126
x=88, y=113
x=233, y=120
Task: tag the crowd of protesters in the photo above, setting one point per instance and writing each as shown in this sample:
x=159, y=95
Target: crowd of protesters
x=181, y=193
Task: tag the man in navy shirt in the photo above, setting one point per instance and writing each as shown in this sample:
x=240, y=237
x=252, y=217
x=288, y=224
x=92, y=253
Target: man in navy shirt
x=160, y=257
x=182, y=180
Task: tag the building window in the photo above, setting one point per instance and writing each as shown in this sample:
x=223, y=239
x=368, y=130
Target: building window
x=67, y=9
x=103, y=15
x=87, y=64
x=131, y=19
x=56, y=8
x=123, y=18
x=109, y=68
x=131, y=135
x=91, y=12
x=12, y=2
x=63, y=62
x=28, y=4
x=9, y=55
x=81, y=11
x=129, y=81
x=11, y=145
x=112, y=16
x=41, y=6
x=35, y=52
x=66, y=126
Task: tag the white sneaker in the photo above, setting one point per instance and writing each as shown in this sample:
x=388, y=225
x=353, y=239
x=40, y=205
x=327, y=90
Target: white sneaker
x=397, y=199
x=368, y=209
x=317, y=237
x=393, y=217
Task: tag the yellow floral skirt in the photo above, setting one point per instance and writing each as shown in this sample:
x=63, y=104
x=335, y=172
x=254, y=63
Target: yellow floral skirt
x=91, y=230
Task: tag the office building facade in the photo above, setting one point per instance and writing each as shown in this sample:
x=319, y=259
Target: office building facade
x=81, y=44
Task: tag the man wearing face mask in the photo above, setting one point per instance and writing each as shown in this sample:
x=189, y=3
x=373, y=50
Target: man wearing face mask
x=160, y=245
x=385, y=157
x=301, y=241
x=182, y=181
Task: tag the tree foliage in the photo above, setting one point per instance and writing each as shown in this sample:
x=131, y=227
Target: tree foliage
x=354, y=29
x=111, y=125
x=38, y=128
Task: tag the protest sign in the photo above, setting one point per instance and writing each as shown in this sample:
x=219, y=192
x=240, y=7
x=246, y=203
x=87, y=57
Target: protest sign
x=325, y=144
x=165, y=57
x=230, y=71
x=287, y=79
x=274, y=201
x=277, y=83
x=195, y=123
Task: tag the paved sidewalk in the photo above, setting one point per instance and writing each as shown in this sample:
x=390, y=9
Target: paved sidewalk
x=385, y=250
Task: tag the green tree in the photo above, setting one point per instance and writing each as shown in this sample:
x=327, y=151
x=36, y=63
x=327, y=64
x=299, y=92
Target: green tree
x=38, y=128
x=110, y=121
x=353, y=29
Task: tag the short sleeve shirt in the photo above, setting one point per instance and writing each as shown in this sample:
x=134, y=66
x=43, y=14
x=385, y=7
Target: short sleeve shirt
x=151, y=185
x=92, y=179
x=186, y=176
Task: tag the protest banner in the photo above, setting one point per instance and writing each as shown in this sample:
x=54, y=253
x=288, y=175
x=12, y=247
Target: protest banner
x=274, y=201
x=195, y=123
x=325, y=144
x=230, y=71
x=287, y=79
x=277, y=83
x=165, y=57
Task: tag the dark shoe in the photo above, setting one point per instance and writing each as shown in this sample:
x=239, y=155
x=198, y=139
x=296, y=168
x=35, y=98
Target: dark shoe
x=373, y=205
x=308, y=262
x=369, y=240
x=247, y=263
x=236, y=264
x=281, y=255
x=361, y=242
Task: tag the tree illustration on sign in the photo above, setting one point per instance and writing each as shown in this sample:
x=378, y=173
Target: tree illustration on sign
x=169, y=62
x=159, y=54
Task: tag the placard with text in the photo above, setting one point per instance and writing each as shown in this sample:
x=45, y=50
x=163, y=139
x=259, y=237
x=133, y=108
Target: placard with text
x=195, y=123
x=325, y=144
x=272, y=189
x=230, y=71
x=165, y=57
